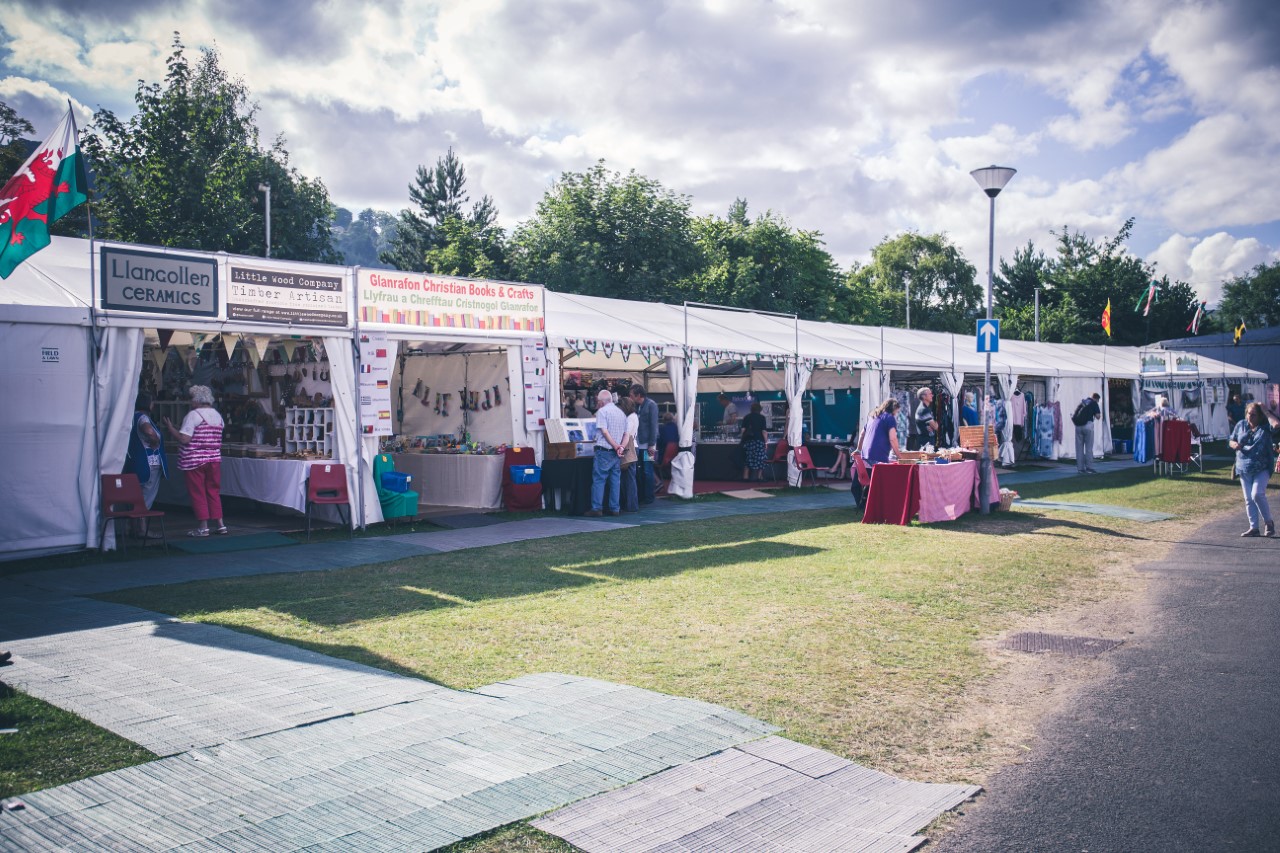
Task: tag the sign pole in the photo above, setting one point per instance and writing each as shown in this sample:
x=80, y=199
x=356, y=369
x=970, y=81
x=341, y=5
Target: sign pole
x=984, y=460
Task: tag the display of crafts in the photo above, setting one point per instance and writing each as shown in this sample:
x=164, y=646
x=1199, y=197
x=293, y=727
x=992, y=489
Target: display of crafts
x=445, y=443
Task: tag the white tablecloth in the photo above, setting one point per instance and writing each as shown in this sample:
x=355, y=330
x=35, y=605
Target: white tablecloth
x=442, y=479
x=282, y=482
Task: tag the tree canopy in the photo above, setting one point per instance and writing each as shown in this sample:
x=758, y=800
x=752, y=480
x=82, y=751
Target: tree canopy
x=603, y=233
x=360, y=240
x=763, y=264
x=439, y=194
x=1076, y=284
x=184, y=170
x=1254, y=298
x=14, y=130
x=931, y=271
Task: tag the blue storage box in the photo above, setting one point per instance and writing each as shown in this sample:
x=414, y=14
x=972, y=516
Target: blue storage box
x=394, y=481
x=1121, y=445
x=523, y=475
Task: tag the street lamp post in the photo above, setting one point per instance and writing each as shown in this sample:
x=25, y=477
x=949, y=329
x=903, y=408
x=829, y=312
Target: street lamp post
x=266, y=188
x=992, y=179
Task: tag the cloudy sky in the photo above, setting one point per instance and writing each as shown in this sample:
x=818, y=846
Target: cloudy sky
x=857, y=119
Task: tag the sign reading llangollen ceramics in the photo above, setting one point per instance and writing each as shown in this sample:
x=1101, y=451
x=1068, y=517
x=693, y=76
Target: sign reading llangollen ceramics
x=159, y=282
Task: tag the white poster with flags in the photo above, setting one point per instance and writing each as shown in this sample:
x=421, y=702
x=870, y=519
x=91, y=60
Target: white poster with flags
x=375, y=384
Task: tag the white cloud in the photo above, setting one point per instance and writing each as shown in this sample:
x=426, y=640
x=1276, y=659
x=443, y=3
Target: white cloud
x=1206, y=263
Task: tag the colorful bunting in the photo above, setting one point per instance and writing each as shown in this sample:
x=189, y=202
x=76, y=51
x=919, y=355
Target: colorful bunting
x=1194, y=326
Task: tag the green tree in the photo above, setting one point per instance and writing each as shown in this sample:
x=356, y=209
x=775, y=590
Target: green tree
x=1253, y=297
x=14, y=147
x=468, y=249
x=184, y=170
x=439, y=193
x=763, y=264
x=1092, y=272
x=360, y=240
x=607, y=234
x=944, y=293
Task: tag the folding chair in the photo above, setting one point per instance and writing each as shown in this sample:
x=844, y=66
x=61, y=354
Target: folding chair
x=327, y=485
x=862, y=479
x=122, y=498
x=520, y=497
x=779, y=458
x=1197, y=449
x=805, y=463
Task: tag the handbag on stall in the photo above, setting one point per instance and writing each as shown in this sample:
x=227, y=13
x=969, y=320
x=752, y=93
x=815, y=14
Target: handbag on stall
x=629, y=456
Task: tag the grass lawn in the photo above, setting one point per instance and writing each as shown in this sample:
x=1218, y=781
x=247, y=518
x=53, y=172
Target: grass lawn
x=53, y=747
x=860, y=639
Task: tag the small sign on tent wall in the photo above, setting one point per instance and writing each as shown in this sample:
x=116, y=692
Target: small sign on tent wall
x=50, y=355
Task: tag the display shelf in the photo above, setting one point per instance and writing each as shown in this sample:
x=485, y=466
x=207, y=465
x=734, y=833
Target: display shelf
x=309, y=431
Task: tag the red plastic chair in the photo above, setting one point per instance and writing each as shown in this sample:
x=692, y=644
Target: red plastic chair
x=779, y=458
x=864, y=473
x=122, y=498
x=805, y=463
x=520, y=497
x=327, y=485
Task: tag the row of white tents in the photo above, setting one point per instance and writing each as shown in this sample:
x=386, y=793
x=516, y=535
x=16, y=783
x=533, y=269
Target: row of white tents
x=72, y=357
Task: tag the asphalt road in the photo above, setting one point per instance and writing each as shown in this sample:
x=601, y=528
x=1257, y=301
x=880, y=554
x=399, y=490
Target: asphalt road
x=1179, y=750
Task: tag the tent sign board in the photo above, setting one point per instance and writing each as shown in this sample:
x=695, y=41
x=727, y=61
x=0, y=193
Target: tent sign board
x=159, y=282
x=418, y=301
x=1154, y=362
x=1187, y=363
x=988, y=336
x=289, y=297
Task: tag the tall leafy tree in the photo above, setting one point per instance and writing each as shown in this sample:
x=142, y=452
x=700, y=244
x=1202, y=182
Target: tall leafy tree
x=932, y=272
x=184, y=170
x=14, y=147
x=361, y=239
x=603, y=233
x=763, y=264
x=1092, y=272
x=439, y=194
x=469, y=249
x=1254, y=297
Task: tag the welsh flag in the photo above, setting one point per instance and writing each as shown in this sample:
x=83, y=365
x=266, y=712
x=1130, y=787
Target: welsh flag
x=48, y=186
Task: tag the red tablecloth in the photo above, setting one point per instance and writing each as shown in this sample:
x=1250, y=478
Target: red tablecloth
x=894, y=494
x=1175, y=442
x=935, y=492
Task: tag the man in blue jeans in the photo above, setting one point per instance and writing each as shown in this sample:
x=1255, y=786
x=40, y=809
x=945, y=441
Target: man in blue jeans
x=646, y=438
x=606, y=467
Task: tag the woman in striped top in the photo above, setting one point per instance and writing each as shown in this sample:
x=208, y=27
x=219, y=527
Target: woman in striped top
x=200, y=459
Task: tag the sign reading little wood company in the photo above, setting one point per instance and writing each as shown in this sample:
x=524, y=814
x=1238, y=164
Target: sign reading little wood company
x=159, y=282
x=440, y=302
x=275, y=296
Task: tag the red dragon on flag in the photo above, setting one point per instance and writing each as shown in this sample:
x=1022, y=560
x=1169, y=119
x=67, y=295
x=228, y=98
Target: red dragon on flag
x=48, y=186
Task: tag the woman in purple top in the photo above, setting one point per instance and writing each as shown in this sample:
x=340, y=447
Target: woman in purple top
x=881, y=433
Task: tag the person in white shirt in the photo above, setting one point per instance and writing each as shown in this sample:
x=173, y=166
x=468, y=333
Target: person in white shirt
x=606, y=468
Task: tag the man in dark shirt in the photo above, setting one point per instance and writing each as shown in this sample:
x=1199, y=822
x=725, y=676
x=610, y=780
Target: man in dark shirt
x=646, y=439
x=1089, y=412
x=926, y=426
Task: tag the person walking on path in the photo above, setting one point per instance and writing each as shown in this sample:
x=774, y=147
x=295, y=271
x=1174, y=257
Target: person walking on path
x=200, y=459
x=1085, y=414
x=646, y=438
x=606, y=466
x=1254, y=445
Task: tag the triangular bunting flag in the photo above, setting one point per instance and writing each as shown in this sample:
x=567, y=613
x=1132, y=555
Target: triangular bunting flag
x=164, y=336
x=229, y=342
x=159, y=356
x=289, y=347
x=260, y=346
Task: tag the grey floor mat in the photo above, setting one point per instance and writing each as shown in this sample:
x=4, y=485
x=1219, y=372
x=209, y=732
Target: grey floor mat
x=773, y=794
x=1099, y=509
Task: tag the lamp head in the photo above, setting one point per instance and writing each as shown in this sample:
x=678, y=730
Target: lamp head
x=993, y=178
x=264, y=188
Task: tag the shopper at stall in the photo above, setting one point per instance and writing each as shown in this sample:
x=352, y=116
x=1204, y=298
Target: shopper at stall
x=668, y=437
x=881, y=435
x=1254, y=444
x=1161, y=409
x=200, y=460
x=606, y=468
x=754, y=457
x=1083, y=417
x=646, y=438
x=1235, y=412
x=630, y=496
x=969, y=411
x=926, y=425
x=146, y=458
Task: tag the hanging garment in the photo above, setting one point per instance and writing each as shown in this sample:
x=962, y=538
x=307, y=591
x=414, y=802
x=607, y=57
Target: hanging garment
x=1018, y=408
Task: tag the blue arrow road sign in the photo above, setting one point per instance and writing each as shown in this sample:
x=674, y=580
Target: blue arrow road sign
x=988, y=336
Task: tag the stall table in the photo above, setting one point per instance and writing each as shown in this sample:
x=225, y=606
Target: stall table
x=281, y=482
x=568, y=482
x=934, y=492
x=454, y=479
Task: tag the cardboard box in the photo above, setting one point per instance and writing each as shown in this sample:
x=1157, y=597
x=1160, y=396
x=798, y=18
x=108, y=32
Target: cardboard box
x=569, y=449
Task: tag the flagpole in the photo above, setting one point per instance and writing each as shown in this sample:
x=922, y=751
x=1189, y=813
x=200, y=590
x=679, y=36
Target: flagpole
x=94, y=351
